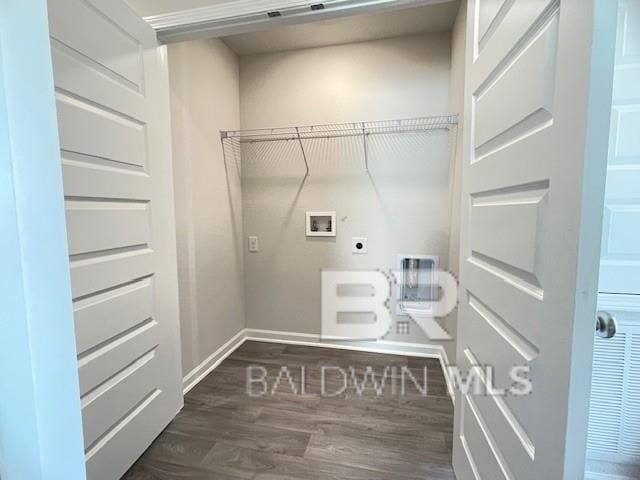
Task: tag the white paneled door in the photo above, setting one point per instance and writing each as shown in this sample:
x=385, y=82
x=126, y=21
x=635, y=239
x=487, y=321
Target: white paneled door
x=113, y=118
x=537, y=101
x=620, y=268
x=614, y=422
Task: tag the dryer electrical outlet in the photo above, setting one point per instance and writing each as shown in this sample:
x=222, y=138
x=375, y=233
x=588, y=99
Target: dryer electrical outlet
x=359, y=245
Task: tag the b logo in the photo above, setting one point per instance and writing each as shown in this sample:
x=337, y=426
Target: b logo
x=333, y=305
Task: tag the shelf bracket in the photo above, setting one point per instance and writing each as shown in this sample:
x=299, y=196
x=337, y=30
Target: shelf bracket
x=364, y=146
x=304, y=155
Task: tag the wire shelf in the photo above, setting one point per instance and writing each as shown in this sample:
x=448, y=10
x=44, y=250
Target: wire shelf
x=442, y=122
x=232, y=140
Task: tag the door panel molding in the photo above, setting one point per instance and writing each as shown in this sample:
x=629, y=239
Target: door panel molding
x=534, y=138
x=620, y=258
x=113, y=113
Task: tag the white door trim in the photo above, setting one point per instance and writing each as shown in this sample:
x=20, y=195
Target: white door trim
x=233, y=16
x=40, y=424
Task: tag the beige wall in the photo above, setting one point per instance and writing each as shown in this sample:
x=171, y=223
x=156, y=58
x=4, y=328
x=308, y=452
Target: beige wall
x=204, y=78
x=456, y=105
x=395, y=78
x=401, y=206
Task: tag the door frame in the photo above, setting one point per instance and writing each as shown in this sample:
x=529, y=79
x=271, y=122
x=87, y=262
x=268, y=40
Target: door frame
x=598, y=114
x=40, y=416
x=618, y=297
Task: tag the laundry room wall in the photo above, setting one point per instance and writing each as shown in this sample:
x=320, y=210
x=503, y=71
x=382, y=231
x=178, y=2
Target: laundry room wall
x=204, y=80
x=401, y=205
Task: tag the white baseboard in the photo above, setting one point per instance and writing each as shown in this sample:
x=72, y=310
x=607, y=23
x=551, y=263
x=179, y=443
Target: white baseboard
x=444, y=363
x=194, y=377
x=311, y=340
x=381, y=346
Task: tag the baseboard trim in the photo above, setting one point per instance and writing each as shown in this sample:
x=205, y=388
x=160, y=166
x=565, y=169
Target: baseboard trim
x=294, y=338
x=380, y=346
x=194, y=377
x=444, y=363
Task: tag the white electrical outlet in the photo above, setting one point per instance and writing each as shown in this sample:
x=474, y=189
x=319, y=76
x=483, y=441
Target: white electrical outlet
x=253, y=244
x=359, y=245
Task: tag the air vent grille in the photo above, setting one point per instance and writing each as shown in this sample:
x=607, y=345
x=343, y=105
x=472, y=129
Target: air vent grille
x=614, y=417
x=630, y=444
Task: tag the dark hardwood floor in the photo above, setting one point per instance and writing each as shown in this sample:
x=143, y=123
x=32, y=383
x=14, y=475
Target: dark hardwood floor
x=225, y=433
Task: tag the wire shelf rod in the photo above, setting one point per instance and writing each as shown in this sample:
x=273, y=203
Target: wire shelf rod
x=443, y=122
x=335, y=135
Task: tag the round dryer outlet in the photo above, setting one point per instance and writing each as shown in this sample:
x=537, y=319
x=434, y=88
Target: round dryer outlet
x=359, y=245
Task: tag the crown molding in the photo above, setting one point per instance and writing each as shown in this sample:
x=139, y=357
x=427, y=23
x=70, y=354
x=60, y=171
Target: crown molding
x=241, y=16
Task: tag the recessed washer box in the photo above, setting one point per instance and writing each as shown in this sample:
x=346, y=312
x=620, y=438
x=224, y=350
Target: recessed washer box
x=417, y=283
x=321, y=224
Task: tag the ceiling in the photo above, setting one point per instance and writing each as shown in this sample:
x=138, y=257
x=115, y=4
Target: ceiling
x=358, y=28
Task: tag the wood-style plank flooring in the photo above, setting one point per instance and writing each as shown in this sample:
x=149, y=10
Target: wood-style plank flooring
x=225, y=433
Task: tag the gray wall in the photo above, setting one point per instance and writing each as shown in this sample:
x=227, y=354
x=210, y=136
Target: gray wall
x=204, y=77
x=402, y=205
x=395, y=78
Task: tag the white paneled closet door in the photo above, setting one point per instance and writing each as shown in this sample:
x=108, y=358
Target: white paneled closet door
x=535, y=142
x=614, y=421
x=620, y=261
x=113, y=117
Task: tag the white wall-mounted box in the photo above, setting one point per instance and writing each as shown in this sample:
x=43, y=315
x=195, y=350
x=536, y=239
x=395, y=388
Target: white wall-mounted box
x=417, y=285
x=321, y=224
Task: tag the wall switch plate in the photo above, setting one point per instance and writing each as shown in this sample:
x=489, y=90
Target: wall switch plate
x=253, y=244
x=359, y=245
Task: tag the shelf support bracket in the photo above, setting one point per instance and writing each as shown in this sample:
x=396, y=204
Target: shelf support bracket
x=304, y=155
x=364, y=146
